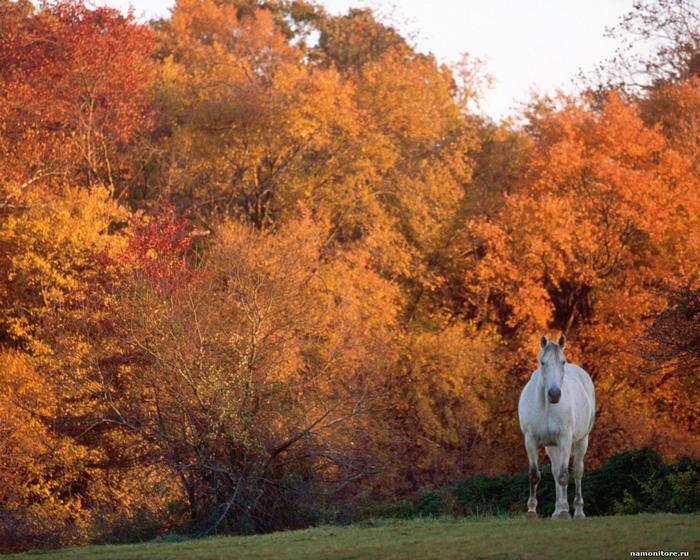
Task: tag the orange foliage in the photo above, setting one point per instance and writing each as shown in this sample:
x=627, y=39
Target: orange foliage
x=582, y=244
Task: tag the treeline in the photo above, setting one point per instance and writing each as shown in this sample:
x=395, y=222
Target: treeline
x=256, y=258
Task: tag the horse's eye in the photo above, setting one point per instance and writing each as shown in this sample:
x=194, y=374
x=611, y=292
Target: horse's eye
x=542, y=362
x=563, y=362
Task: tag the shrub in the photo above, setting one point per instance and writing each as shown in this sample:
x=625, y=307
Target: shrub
x=502, y=494
x=684, y=481
x=629, y=482
x=431, y=505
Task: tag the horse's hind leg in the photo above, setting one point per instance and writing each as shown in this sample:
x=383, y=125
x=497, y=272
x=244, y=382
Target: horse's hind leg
x=579, y=451
x=534, y=476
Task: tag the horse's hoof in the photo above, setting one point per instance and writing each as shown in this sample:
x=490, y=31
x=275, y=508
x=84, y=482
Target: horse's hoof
x=579, y=515
x=531, y=516
x=563, y=515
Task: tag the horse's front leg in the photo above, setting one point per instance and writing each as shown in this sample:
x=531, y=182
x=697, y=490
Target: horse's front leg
x=560, y=470
x=534, y=476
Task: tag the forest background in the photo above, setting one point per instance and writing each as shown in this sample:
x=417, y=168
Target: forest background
x=259, y=261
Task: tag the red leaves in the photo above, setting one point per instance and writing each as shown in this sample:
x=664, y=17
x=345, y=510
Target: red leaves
x=158, y=248
x=74, y=87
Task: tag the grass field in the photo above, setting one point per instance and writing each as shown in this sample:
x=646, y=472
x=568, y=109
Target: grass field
x=475, y=538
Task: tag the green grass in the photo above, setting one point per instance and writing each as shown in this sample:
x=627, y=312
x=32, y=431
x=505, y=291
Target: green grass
x=443, y=538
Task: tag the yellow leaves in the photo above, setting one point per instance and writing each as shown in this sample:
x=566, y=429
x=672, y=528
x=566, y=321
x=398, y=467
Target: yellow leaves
x=36, y=466
x=47, y=249
x=445, y=396
x=261, y=131
x=21, y=382
x=409, y=97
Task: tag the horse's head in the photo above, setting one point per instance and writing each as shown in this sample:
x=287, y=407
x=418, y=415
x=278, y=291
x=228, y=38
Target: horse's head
x=552, y=362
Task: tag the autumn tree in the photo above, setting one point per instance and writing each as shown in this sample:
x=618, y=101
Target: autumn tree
x=362, y=144
x=74, y=94
x=672, y=347
x=40, y=469
x=660, y=43
x=48, y=252
x=232, y=376
x=254, y=131
x=663, y=80
x=657, y=65
x=352, y=40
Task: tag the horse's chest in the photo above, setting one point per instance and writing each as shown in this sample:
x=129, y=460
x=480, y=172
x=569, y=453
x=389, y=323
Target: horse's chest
x=549, y=432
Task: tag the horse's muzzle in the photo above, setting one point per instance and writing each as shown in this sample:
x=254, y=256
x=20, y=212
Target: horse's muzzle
x=554, y=395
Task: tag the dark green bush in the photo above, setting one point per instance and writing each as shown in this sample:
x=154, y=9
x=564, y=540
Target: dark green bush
x=503, y=494
x=684, y=480
x=629, y=482
x=431, y=505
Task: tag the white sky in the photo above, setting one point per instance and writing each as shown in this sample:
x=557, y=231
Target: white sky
x=527, y=44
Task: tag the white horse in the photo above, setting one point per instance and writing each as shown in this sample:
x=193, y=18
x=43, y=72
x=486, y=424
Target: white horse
x=556, y=411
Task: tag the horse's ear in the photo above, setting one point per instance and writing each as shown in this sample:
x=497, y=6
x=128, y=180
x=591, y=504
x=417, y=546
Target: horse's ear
x=562, y=341
x=543, y=341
